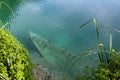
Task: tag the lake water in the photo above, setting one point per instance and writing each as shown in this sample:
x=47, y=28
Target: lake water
x=59, y=22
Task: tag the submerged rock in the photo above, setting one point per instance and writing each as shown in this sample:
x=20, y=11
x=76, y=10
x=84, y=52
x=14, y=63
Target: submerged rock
x=41, y=73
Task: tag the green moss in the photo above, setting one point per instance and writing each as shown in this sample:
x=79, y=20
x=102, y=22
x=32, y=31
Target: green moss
x=15, y=63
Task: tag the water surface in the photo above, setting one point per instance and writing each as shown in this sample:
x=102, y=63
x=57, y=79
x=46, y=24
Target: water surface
x=59, y=20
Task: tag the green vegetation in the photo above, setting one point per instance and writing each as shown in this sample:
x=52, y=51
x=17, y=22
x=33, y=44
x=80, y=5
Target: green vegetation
x=15, y=63
x=110, y=71
x=109, y=66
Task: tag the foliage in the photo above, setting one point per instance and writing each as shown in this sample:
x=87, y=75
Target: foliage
x=15, y=63
x=109, y=71
x=109, y=66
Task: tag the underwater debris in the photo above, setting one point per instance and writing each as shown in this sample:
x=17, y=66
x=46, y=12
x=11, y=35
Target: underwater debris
x=56, y=56
x=63, y=60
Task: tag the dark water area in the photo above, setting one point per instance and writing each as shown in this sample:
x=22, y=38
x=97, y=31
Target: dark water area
x=59, y=22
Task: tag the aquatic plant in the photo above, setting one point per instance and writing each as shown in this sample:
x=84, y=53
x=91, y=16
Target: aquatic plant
x=109, y=66
x=103, y=54
x=110, y=71
x=15, y=63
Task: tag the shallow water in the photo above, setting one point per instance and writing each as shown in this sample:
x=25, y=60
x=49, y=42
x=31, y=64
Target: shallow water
x=59, y=20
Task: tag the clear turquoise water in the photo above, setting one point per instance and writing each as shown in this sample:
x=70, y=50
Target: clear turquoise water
x=59, y=20
x=62, y=18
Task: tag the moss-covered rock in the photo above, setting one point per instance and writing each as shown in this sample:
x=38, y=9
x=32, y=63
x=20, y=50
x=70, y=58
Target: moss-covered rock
x=15, y=63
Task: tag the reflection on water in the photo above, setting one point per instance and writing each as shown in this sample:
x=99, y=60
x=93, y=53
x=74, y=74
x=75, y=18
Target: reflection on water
x=59, y=20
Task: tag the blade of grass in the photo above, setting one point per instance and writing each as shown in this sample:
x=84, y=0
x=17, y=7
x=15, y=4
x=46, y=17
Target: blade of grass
x=2, y=2
x=111, y=28
x=1, y=23
x=110, y=42
x=71, y=64
x=0, y=5
x=3, y=77
x=81, y=26
x=84, y=24
x=3, y=26
x=101, y=54
x=100, y=45
x=97, y=29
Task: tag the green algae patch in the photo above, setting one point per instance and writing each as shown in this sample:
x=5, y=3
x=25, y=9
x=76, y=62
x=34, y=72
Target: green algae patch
x=15, y=62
